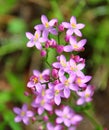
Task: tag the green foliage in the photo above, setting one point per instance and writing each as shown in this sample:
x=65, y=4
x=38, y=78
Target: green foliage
x=17, y=25
x=7, y=5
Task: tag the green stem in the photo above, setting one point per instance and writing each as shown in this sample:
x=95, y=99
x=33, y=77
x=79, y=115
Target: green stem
x=46, y=59
x=59, y=38
x=93, y=120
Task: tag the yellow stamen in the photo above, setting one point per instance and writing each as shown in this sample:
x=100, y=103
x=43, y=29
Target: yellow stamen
x=22, y=113
x=63, y=63
x=42, y=102
x=35, y=80
x=43, y=92
x=40, y=77
x=87, y=95
x=73, y=68
x=79, y=81
x=56, y=92
x=75, y=46
x=73, y=25
x=46, y=25
x=66, y=83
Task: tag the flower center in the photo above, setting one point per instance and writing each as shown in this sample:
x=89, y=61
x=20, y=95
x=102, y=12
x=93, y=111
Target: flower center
x=43, y=92
x=42, y=102
x=46, y=25
x=79, y=81
x=66, y=83
x=36, y=37
x=40, y=77
x=22, y=113
x=87, y=95
x=56, y=92
x=63, y=63
x=34, y=79
x=73, y=68
x=75, y=46
x=73, y=25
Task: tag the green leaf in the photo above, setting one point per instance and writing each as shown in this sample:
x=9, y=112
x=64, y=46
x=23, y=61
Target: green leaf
x=17, y=25
x=5, y=96
x=9, y=118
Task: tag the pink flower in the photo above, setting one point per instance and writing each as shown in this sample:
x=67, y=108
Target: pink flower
x=54, y=93
x=62, y=62
x=81, y=81
x=23, y=114
x=42, y=103
x=73, y=27
x=75, y=68
x=74, y=45
x=47, y=26
x=66, y=84
x=35, y=40
x=67, y=116
x=86, y=95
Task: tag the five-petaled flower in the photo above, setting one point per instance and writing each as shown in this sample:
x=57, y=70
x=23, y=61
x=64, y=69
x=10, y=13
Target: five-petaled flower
x=73, y=27
x=23, y=114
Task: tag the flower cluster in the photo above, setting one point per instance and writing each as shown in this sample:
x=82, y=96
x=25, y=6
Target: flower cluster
x=57, y=89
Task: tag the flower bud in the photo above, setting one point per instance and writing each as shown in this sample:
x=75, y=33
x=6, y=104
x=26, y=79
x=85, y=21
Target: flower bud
x=43, y=53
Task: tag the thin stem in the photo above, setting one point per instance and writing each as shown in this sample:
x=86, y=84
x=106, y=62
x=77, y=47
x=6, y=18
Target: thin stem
x=93, y=120
x=59, y=38
x=46, y=59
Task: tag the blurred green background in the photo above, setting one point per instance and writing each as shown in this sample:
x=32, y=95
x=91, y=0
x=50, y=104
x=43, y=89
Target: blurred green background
x=17, y=61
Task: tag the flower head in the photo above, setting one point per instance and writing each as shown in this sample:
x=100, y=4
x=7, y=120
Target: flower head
x=86, y=95
x=23, y=114
x=73, y=27
x=47, y=26
x=35, y=40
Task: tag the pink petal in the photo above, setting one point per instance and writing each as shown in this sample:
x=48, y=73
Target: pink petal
x=58, y=112
x=77, y=32
x=29, y=35
x=57, y=100
x=82, y=43
x=17, y=119
x=70, y=32
x=24, y=107
x=66, y=93
x=29, y=113
x=48, y=107
x=68, y=48
x=80, y=66
x=53, y=22
x=66, y=24
x=17, y=110
x=26, y=120
x=39, y=27
x=44, y=19
x=53, y=31
x=80, y=26
x=30, y=84
x=87, y=78
x=59, y=120
x=46, y=72
x=30, y=44
x=38, y=45
x=36, y=72
x=40, y=110
x=80, y=101
x=73, y=41
x=67, y=122
x=73, y=20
